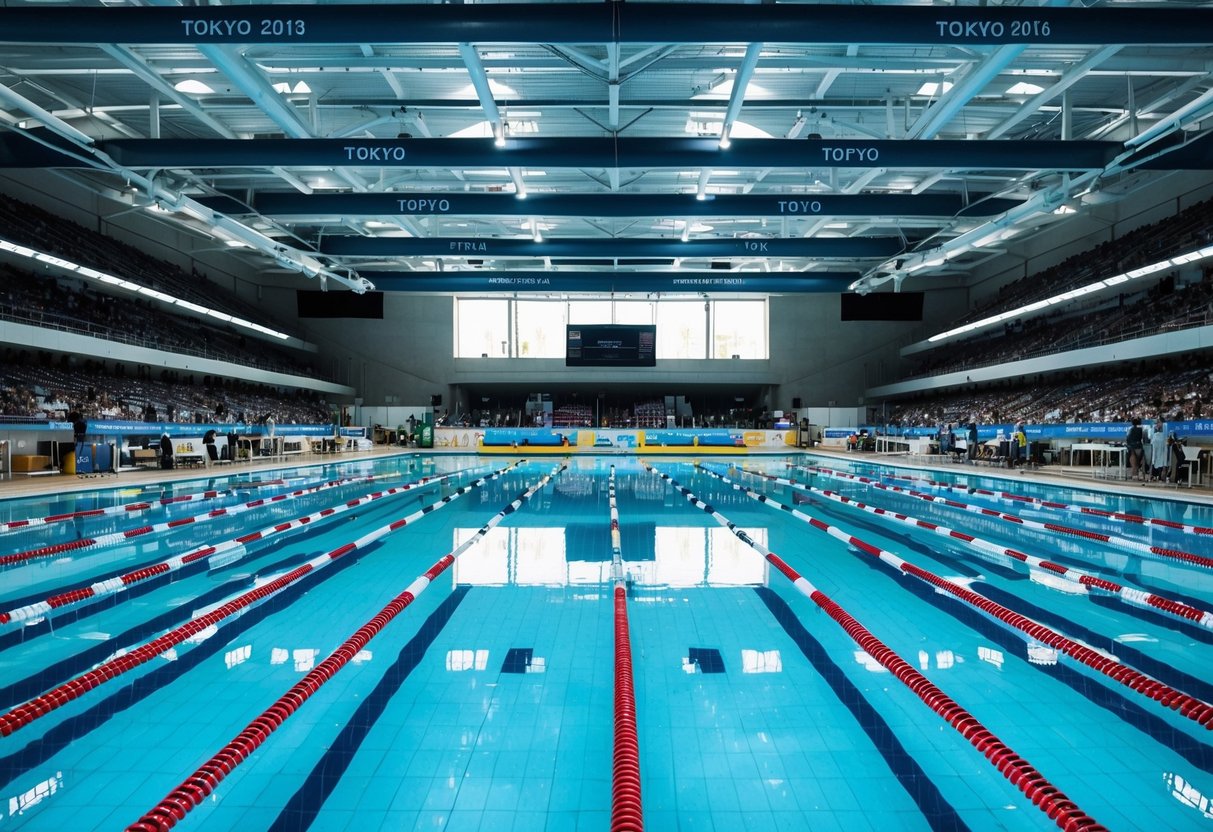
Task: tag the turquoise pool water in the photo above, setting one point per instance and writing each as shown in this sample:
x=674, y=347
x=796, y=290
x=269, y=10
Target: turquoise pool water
x=487, y=702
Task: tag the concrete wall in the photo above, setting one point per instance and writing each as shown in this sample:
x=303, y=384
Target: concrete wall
x=813, y=355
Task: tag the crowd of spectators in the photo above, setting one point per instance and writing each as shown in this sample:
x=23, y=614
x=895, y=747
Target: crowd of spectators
x=1186, y=231
x=37, y=387
x=1165, y=307
x=31, y=226
x=72, y=305
x=1171, y=391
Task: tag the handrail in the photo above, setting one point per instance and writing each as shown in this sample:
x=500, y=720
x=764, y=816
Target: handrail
x=174, y=807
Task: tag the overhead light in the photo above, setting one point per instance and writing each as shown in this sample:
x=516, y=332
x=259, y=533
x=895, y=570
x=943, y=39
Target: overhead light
x=1024, y=88
x=724, y=139
x=302, y=88
x=282, y=88
x=192, y=86
x=236, y=244
x=932, y=88
x=1064, y=209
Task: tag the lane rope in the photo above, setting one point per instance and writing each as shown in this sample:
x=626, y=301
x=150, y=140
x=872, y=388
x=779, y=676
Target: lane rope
x=1018, y=771
x=990, y=551
x=1073, y=508
x=198, y=786
x=227, y=551
x=627, y=813
x=131, y=508
x=155, y=528
x=22, y=715
x=1185, y=704
x=1111, y=540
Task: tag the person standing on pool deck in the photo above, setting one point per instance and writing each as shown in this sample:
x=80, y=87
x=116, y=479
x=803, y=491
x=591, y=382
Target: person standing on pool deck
x=1135, y=442
x=1158, y=451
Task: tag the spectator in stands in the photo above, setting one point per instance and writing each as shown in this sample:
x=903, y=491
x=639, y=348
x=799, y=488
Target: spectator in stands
x=1135, y=442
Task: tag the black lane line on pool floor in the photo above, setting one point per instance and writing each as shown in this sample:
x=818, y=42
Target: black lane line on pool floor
x=939, y=813
x=303, y=807
x=1091, y=687
x=120, y=699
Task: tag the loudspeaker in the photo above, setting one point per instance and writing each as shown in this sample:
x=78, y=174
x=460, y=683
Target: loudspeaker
x=435, y=400
x=796, y=403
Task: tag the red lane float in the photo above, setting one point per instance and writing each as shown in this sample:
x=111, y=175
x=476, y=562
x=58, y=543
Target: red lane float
x=1111, y=540
x=1018, y=771
x=22, y=715
x=985, y=548
x=122, y=537
x=129, y=508
x=228, y=550
x=1117, y=516
x=1187, y=705
x=627, y=813
x=198, y=786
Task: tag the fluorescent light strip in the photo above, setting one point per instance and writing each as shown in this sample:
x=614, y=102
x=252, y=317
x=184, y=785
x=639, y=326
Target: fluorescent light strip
x=1115, y=280
x=111, y=280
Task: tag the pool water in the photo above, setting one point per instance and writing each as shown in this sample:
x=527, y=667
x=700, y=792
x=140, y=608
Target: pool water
x=486, y=703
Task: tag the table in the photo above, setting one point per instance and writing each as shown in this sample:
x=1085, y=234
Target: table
x=1104, y=450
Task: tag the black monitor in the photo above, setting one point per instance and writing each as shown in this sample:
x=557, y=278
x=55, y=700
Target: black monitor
x=611, y=345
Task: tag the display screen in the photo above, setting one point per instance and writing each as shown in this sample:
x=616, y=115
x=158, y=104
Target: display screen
x=611, y=345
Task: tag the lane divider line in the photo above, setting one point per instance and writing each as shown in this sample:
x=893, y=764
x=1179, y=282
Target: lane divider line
x=1112, y=540
x=198, y=786
x=627, y=813
x=1018, y=771
x=130, y=508
x=168, y=525
x=227, y=551
x=1116, y=516
x=985, y=548
x=22, y=715
x=1185, y=704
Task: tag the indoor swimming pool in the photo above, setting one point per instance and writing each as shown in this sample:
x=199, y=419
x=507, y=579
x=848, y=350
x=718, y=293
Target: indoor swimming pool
x=428, y=642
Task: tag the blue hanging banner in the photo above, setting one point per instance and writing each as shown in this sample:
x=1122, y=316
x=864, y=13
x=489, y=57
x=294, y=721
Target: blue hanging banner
x=581, y=152
x=610, y=248
x=658, y=282
x=605, y=23
x=609, y=205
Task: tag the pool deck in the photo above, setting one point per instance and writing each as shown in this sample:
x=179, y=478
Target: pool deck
x=20, y=485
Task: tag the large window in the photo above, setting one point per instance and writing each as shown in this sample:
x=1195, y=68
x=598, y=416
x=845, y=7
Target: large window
x=482, y=328
x=540, y=328
x=686, y=328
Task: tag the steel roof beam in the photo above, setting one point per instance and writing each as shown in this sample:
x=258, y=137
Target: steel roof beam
x=1071, y=77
